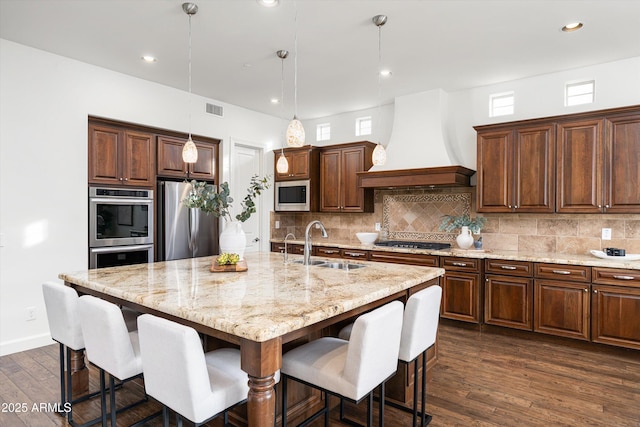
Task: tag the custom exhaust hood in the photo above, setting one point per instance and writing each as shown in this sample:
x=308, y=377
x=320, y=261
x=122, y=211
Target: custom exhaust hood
x=417, y=153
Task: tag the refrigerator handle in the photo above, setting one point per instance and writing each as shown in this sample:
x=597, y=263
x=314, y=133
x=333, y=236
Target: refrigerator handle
x=194, y=225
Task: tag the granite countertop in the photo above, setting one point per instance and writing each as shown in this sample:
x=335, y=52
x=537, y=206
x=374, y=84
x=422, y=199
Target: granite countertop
x=269, y=300
x=548, y=257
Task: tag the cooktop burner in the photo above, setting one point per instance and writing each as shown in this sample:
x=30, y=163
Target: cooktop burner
x=414, y=245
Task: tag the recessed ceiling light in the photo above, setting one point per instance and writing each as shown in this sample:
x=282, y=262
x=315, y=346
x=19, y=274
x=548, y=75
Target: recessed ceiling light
x=268, y=3
x=574, y=26
x=149, y=58
x=385, y=73
x=275, y=101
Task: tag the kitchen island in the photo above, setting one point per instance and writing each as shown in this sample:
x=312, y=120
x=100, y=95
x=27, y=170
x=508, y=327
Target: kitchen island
x=269, y=305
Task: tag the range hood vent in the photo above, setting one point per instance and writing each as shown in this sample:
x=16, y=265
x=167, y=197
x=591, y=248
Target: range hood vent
x=444, y=176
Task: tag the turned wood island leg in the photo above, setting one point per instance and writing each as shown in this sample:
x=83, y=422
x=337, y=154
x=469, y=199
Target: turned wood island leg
x=79, y=374
x=261, y=360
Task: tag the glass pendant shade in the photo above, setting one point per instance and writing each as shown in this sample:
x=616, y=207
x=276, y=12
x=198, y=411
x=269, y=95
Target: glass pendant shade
x=379, y=156
x=295, y=133
x=282, y=166
x=189, y=151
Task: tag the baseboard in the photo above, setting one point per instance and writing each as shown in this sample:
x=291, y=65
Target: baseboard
x=23, y=344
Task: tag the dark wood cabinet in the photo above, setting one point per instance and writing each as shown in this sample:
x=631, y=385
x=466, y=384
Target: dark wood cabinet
x=615, y=307
x=170, y=163
x=461, y=290
x=516, y=168
x=303, y=163
x=622, y=164
x=119, y=156
x=292, y=248
x=404, y=258
x=339, y=165
x=561, y=300
x=509, y=294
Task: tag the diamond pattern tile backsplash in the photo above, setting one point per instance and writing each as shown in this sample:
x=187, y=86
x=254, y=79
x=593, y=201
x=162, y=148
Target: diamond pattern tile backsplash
x=418, y=216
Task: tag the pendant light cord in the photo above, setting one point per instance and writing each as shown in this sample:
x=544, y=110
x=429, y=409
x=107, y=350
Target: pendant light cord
x=190, y=76
x=284, y=119
x=295, y=62
x=379, y=81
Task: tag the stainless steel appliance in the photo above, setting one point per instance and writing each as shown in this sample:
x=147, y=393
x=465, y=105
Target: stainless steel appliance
x=183, y=232
x=293, y=196
x=120, y=226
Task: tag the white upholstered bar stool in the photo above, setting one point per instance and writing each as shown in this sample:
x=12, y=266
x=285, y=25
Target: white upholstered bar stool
x=179, y=374
x=419, y=330
x=349, y=369
x=61, y=303
x=110, y=347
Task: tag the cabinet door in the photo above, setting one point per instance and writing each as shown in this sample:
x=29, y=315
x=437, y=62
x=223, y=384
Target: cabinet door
x=299, y=165
x=579, y=166
x=495, y=169
x=534, y=169
x=205, y=167
x=562, y=308
x=170, y=157
x=328, y=252
x=508, y=301
x=615, y=311
x=352, y=195
x=330, y=180
x=138, y=166
x=460, y=296
x=622, y=165
x=105, y=144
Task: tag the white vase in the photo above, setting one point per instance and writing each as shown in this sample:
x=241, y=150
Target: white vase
x=232, y=239
x=465, y=239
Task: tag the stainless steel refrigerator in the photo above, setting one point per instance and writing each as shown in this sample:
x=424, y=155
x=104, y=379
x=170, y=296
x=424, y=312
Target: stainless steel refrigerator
x=183, y=232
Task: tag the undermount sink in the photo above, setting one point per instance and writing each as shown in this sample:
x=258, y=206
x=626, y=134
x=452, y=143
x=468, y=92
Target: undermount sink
x=341, y=265
x=312, y=262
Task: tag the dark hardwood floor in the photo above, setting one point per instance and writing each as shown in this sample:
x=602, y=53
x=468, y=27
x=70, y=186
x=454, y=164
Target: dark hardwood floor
x=483, y=378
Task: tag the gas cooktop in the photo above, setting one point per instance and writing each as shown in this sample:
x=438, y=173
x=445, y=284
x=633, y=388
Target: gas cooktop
x=414, y=245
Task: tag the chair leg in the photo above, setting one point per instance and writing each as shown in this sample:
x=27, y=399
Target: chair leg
x=69, y=387
x=283, y=381
x=112, y=400
x=415, y=393
x=103, y=398
x=165, y=416
x=370, y=409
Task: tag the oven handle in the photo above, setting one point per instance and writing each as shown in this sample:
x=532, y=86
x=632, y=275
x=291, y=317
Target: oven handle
x=128, y=248
x=122, y=201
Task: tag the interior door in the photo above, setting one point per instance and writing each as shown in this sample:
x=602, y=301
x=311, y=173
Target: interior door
x=247, y=161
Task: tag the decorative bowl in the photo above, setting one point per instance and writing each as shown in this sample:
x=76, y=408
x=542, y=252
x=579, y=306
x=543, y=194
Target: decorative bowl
x=367, y=238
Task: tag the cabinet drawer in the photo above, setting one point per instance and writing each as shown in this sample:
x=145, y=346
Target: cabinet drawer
x=573, y=273
x=328, y=252
x=512, y=268
x=460, y=264
x=354, y=253
x=291, y=248
x=616, y=276
x=403, y=258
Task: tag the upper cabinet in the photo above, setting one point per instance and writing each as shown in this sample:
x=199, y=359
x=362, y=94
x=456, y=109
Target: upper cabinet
x=119, y=156
x=339, y=165
x=303, y=163
x=170, y=162
x=579, y=163
x=516, y=168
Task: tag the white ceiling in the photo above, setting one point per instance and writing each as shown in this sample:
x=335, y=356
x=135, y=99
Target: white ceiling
x=448, y=44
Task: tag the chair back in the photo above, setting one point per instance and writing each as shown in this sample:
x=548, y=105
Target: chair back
x=174, y=365
x=108, y=343
x=372, y=355
x=420, y=325
x=61, y=303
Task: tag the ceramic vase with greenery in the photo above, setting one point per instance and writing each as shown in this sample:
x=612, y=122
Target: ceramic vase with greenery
x=208, y=199
x=466, y=225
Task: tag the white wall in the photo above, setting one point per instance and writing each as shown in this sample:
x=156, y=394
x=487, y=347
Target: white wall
x=44, y=104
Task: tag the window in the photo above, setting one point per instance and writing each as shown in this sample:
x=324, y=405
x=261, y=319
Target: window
x=579, y=93
x=501, y=104
x=323, y=132
x=363, y=126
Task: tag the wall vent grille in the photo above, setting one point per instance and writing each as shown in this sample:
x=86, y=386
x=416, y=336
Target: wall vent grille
x=216, y=110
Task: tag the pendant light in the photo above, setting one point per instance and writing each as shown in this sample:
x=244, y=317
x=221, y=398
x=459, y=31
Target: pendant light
x=379, y=156
x=295, y=130
x=189, y=151
x=282, y=166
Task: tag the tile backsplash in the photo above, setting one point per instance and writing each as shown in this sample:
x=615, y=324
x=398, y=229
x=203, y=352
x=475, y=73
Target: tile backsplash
x=415, y=214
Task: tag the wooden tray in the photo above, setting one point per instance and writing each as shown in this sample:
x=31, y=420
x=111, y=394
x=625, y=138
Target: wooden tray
x=240, y=266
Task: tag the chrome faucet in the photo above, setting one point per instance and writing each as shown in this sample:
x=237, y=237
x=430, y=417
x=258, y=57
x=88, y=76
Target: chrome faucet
x=307, y=240
x=286, y=257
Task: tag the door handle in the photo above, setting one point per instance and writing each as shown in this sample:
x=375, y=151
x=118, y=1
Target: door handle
x=257, y=239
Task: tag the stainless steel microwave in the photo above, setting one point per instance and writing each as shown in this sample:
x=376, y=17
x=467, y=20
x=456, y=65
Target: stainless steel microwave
x=293, y=196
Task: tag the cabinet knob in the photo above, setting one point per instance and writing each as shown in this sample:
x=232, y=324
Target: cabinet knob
x=599, y=206
x=509, y=206
x=516, y=207
x=586, y=290
x=126, y=179
x=606, y=206
x=595, y=291
x=120, y=179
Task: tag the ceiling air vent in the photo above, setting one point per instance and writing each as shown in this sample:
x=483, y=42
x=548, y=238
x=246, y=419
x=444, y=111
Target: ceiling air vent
x=216, y=110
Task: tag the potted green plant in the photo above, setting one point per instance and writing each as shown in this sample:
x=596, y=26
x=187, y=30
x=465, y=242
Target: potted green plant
x=466, y=225
x=208, y=199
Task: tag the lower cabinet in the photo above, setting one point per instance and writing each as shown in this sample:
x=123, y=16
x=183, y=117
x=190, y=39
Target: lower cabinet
x=461, y=290
x=615, y=307
x=561, y=300
x=292, y=248
x=509, y=298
